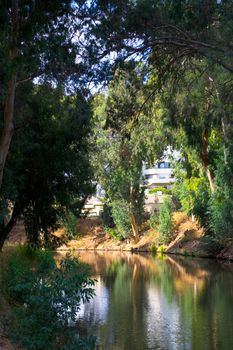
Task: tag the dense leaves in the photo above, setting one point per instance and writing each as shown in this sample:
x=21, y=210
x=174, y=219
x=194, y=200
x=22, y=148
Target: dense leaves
x=48, y=171
x=45, y=298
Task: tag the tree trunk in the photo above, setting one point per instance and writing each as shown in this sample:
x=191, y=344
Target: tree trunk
x=8, y=127
x=6, y=229
x=133, y=220
x=226, y=129
x=204, y=158
x=134, y=227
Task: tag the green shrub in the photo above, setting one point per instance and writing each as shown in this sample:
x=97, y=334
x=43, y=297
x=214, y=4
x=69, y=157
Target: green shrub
x=121, y=217
x=154, y=221
x=193, y=194
x=107, y=216
x=154, y=249
x=221, y=214
x=113, y=233
x=161, y=249
x=165, y=220
x=160, y=189
x=44, y=298
x=69, y=222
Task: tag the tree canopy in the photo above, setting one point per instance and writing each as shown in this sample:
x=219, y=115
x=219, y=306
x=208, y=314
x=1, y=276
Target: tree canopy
x=169, y=68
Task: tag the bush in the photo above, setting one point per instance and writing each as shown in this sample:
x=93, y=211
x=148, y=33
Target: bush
x=69, y=222
x=165, y=221
x=221, y=216
x=154, y=249
x=154, y=220
x=121, y=217
x=221, y=204
x=107, y=216
x=160, y=189
x=193, y=194
x=161, y=249
x=45, y=298
x=113, y=233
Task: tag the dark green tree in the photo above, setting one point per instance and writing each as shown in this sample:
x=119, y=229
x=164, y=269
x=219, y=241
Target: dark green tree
x=126, y=136
x=167, y=33
x=48, y=171
x=39, y=40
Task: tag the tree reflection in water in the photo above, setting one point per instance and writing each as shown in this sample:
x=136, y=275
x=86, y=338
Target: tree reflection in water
x=159, y=303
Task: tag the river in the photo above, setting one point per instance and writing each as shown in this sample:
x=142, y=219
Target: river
x=165, y=303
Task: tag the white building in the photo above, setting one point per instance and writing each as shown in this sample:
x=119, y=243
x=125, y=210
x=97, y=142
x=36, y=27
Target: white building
x=93, y=206
x=158, y=175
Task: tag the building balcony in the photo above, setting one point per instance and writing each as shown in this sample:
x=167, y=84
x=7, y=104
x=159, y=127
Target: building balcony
x=154, y=171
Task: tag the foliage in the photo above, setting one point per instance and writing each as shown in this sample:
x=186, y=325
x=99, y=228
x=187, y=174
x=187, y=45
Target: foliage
x=168, y=34
x=160, y=189
x=45, y=169
x=165, y=220
x=193, y=194
x=154, y=220
x=107, y=216
x=122, y=140
x=37, y=44
x=113, y=232
x=121, y=217
x=154, y=249
x=44, y=298
x=161, y=249
x=69, y=223
x=221, y=205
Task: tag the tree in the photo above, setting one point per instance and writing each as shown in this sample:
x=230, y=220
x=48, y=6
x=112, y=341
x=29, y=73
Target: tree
x=37, y=42
x=166, y=33
x=165, y=220
x=191, y=107
x=124, y=141
x=187, y=46
x=45, y=173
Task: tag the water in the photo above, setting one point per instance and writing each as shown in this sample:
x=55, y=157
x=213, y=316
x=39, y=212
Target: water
x=163, y=303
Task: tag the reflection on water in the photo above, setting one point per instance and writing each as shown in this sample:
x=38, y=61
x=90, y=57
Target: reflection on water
x=159, y=303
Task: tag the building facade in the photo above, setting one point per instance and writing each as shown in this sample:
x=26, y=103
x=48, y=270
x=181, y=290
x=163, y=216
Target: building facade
x=160, y=175
x=156, y=176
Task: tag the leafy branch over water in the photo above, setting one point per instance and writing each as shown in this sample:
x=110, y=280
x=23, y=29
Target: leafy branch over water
x=45, y=298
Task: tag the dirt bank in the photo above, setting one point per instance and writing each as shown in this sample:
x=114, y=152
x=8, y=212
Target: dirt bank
x=188, y=239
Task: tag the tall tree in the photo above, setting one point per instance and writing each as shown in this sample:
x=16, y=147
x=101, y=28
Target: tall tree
x=167, y=32
x=39, y=40
x=48, y=170
x=126, y=136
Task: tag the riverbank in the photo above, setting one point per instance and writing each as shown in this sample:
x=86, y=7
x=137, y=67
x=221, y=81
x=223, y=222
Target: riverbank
x=188, y=239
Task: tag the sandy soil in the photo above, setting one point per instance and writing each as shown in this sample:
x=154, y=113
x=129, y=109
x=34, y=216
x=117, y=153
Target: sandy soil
x=188, y=239
x=91, y=235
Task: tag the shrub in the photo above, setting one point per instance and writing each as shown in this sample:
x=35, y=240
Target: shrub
x=121, y=217
x=165, y=221
x=161, y=249
x=113, y=233
x=69, y=222
x=221, y=213
x=154, y=249
x=193, y=194
x=160, y=189
x=107, y=216
x=45, y=298
x=154, y=220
